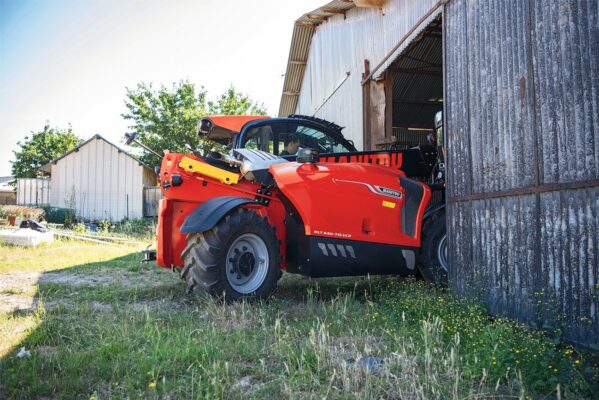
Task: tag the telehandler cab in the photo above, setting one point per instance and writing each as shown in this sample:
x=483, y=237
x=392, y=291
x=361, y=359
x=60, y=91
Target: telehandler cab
x=231, y=223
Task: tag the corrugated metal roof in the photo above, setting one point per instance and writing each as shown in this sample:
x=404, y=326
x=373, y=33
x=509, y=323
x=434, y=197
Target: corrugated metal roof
x=301, y=39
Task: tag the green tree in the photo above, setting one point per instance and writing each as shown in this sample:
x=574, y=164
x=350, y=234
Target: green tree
x=41, y=148
x=167, y=118
x=232, y=102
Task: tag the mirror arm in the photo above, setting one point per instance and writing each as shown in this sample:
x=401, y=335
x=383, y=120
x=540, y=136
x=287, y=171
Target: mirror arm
x=131, y=139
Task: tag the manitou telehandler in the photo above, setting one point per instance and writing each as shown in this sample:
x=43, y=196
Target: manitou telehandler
x=292, y=194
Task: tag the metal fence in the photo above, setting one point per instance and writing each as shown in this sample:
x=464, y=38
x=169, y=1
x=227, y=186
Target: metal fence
x=33, y=192
x=410, y=137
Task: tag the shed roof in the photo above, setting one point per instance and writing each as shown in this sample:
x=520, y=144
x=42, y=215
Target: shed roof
x=303, y=30
x=46, y=168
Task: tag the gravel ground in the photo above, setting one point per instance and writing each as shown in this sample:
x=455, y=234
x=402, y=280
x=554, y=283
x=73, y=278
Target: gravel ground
x=17, y=290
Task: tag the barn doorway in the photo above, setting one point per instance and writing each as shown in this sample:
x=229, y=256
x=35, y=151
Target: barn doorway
x=414, y=84
x=400, y=107
x=414, y=96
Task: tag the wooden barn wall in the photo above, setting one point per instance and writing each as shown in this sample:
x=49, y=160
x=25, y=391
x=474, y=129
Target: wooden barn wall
x=522, y=128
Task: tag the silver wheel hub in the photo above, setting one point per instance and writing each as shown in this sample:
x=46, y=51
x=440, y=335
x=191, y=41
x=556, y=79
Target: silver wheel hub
x=442, y=253
x=247, y=263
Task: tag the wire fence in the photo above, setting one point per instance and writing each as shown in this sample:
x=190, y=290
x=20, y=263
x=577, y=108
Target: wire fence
x=90, y=205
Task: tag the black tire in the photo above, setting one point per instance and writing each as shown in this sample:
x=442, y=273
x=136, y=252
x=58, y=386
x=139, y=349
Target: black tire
x=432, y=263
x=208, y=268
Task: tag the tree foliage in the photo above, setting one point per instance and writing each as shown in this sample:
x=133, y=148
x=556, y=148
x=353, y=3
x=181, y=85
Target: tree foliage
x=167, y=118
x=234, y=103
x=41, y=148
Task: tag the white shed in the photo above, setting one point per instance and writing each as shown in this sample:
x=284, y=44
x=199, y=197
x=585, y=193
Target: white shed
x=99, y=181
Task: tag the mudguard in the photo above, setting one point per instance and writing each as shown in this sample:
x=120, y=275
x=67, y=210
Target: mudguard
x=433, y=210
x=207, y=214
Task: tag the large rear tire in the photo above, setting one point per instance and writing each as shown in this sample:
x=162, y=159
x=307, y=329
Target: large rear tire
x=432, y=259
x=238, y=259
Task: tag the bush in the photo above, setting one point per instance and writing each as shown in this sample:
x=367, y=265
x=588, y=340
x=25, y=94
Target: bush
x=141, y=228
x=56, y=215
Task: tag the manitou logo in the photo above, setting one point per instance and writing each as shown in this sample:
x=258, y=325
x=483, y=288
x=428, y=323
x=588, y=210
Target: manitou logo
x=389, y=192
x=337, y=250
x=375, y=189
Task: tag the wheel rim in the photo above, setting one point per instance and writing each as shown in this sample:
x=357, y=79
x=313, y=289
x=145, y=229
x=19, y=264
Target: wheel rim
x=247, y=263
x=442, y=253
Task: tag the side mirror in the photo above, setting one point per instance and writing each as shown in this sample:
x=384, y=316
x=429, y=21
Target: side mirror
x=204, y=127
x=438, y=120
x=307, y=155
x=439, y=128
x=130, y=137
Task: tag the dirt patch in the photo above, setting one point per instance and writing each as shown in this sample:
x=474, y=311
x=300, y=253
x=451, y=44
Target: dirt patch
x=13, y=302
x=15, y=286
x=20, y=280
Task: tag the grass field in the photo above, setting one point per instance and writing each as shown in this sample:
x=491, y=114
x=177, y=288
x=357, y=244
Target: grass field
x=99, y=325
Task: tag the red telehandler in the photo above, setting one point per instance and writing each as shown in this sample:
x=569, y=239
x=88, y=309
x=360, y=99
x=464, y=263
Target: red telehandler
x=231, y=223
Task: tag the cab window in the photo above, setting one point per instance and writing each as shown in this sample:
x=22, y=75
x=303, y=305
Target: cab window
x=317, y=139
x=260, y=138
x=275, y=138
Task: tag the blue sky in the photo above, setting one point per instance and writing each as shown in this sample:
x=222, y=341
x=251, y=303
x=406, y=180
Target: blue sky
x=67, y=61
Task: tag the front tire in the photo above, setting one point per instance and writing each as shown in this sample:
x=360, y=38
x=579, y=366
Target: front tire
x=432, y=259
x=238, y=259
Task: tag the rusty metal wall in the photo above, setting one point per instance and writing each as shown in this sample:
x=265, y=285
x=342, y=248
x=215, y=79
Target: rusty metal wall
x=522, y=128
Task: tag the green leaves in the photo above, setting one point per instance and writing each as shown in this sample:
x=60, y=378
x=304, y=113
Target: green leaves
x=41, y=148
x=167, y=118
x=234, y=103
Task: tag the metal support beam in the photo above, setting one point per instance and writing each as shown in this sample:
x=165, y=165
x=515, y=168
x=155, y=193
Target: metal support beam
x=544, y=188
x=405, y=37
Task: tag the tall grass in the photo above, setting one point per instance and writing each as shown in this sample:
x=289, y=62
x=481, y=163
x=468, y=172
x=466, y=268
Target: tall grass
x=334, y=338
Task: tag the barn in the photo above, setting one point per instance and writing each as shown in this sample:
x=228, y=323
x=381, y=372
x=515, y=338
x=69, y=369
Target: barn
x=100, y=181
x=518, y=84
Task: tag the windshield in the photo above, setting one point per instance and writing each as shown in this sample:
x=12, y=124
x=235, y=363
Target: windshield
x=286, y=138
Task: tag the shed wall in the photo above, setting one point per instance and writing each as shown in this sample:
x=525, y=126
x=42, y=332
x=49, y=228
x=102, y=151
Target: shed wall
x=99, y=182
x=522, y=128
x=339, y=46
